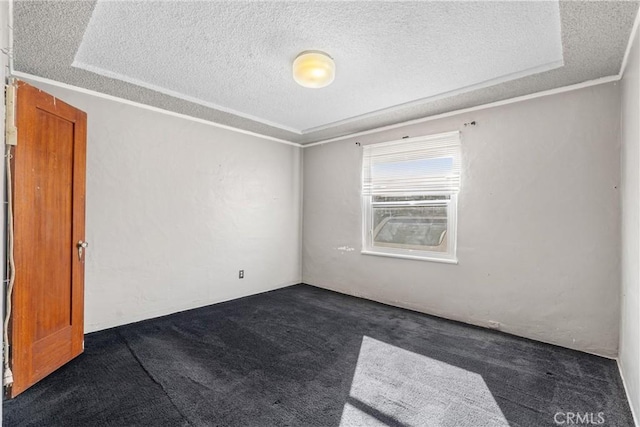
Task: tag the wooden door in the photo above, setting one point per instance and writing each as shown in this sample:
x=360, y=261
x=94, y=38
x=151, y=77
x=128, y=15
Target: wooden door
x=48, y=204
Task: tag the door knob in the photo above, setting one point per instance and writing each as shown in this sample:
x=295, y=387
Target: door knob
x=81, y=247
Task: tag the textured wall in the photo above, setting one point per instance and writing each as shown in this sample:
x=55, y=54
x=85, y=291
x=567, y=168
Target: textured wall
x=629, y=356
x=538, y=236
x=176, y=208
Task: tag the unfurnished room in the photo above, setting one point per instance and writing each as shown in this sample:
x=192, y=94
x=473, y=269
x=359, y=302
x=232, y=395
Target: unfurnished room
x=320, y=213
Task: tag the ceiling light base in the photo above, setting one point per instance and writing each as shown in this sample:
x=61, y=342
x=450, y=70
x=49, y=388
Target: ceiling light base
x=314, y=69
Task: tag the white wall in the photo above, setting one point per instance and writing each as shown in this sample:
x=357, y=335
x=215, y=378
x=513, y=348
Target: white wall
x=629, y=354
x=538, y=236
x=175, y=208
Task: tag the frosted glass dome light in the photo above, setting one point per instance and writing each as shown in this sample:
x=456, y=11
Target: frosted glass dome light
x=314, y=69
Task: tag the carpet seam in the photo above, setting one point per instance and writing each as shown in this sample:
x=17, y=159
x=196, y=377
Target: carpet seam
x=152, y=378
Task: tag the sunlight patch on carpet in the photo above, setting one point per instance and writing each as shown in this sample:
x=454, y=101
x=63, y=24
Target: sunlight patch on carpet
x=396, y=387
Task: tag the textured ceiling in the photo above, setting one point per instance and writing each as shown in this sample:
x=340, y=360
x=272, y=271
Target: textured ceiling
x=432, y=57
x=237, y=56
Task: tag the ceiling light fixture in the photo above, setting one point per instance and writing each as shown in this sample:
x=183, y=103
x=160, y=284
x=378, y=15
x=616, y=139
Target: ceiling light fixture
x=314, y=69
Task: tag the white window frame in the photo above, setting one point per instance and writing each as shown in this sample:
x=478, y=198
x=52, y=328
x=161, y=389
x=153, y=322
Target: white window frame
x=368, y=247
x=452, y=221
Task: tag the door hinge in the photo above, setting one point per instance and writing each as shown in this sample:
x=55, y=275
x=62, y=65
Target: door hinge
x=11, y=131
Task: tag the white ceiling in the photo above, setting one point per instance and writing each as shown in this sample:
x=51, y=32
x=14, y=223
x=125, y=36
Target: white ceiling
x=236, y=56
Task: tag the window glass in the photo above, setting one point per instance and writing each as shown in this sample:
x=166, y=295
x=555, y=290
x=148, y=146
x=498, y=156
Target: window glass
x=414, y=228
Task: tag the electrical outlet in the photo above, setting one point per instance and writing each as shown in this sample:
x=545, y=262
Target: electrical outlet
x=241, y=274
x=492, y=324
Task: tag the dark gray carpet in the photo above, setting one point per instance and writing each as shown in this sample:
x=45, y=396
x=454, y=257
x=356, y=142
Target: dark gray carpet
x=303, y=356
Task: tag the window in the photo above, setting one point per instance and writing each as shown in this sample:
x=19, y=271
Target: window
x=409, y=197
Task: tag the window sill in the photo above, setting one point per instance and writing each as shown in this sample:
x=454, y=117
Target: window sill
x=414, y=257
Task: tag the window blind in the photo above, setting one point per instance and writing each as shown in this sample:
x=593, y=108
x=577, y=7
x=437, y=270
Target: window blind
x=419, y=165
